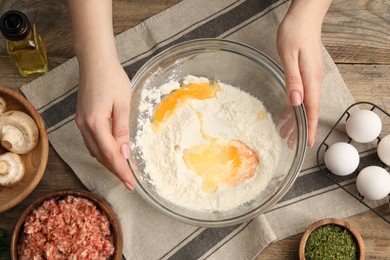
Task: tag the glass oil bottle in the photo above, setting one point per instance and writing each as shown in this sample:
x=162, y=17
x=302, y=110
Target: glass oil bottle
x=24, y=44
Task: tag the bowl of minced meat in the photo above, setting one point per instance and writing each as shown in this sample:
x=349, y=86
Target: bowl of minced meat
x=214, y=140
x=67, y=225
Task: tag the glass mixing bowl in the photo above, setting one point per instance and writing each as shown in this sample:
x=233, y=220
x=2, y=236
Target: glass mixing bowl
x=253, y=72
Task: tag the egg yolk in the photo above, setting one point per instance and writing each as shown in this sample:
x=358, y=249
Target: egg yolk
x=221, y=162
x=174, y=100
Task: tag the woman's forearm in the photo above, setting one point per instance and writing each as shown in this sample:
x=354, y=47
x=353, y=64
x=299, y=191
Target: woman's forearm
x=313, y=11
x=93, y=34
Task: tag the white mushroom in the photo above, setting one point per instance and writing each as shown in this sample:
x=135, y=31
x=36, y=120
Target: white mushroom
x=11, y=169
x=18, y=132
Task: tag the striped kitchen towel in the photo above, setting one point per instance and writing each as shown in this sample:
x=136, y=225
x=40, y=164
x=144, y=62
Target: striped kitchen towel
x=149, y=234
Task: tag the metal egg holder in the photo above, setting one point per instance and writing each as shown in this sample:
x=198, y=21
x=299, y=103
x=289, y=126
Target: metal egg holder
x=339, y=179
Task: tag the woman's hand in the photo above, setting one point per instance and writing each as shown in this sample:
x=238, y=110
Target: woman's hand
x=103, y=108
x=103, y=104
x=299, y=47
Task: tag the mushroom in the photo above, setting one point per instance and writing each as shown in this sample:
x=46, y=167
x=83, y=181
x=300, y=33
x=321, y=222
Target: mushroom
x=3, y=105
x=11, y=169
x=18, y=132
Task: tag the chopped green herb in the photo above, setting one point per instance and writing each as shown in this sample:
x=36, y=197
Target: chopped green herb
x=331, y=242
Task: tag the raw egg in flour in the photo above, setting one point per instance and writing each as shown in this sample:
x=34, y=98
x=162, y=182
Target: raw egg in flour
x=221, y=162
x=341, y=158
x=373, y=182
x=178, y=98
x=363, y=126
x=383, y=150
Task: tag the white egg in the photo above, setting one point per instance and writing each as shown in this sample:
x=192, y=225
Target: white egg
x=341, y=158
x=373, y=182
x=363, y=126
x=383, y=150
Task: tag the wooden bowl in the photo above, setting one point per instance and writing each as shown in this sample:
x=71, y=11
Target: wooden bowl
x=35, y=161
x=101, y=204
x=343, y=224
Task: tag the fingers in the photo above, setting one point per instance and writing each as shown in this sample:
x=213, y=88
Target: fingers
x=101, y=144
x=294, y=84
x=299, y=48
x=120, y=131
x=120, y=124
x=312, y=76
x=288, y=127
x=288, y=130
x=303, y=75
x=110, y=154
x=295, y=92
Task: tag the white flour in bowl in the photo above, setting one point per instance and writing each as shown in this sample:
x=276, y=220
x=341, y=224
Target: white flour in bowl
x=231, y=114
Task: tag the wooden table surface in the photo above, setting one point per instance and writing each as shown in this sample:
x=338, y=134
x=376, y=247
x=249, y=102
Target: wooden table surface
x=356, y=34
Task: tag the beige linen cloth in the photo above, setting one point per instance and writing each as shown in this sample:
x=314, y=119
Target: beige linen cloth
x=149, y=234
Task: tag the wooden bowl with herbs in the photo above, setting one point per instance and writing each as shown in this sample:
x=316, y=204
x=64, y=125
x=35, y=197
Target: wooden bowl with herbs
x=331, y=238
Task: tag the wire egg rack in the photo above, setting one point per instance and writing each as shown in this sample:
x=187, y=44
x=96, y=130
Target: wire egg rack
x=344, y=181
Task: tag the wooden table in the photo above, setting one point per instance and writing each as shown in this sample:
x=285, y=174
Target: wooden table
x=356, y=34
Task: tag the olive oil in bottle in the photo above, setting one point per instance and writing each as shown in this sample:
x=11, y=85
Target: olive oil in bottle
x=24, y=44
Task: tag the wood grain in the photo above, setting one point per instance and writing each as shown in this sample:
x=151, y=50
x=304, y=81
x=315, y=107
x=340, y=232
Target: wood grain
x=358, y=32
x=355, y=33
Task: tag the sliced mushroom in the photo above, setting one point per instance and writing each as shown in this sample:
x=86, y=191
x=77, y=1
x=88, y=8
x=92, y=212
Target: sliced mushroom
x=18, y=132
x=11, y=169
x=3, y=105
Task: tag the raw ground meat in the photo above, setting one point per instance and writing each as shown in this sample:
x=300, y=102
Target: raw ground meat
x=69, y=228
